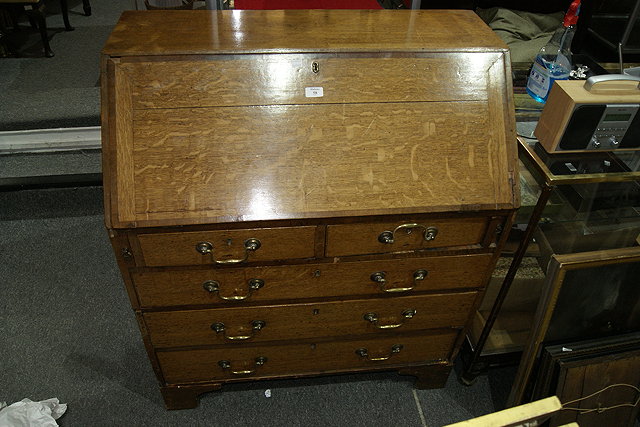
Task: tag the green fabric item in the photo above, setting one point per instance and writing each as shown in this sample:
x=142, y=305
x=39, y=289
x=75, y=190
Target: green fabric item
x=524, y=32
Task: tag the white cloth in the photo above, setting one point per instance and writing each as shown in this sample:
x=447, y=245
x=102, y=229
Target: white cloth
x=28, y=413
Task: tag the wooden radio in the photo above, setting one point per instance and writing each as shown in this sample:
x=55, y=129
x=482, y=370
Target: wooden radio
x=599, y=114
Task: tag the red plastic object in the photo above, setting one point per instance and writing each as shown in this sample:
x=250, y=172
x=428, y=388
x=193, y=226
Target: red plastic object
x=306, y=4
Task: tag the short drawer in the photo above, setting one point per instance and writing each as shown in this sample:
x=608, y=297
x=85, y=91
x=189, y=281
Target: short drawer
x=227, y=247
x=239, y=362
x=308, y=321
x=384, y=237
x=233, y=287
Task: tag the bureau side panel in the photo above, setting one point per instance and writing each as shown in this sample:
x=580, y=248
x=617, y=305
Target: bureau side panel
x=502, y=142
x=117, y=146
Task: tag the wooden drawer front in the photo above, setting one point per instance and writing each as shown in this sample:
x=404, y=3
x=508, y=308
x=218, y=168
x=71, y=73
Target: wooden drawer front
x=355, y=239
x=228, y=246
x=192, y=287
x=301, y=321
x=204, y=365
x=282, y=79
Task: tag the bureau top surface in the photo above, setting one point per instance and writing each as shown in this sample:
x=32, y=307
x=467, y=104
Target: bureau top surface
x=269, y=135
x=252, y=31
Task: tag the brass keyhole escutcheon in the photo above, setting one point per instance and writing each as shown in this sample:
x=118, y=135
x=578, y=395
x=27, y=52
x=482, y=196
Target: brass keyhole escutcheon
x=315, y=67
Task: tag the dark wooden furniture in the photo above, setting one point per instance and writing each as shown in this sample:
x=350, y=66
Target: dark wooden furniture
x=35, y=11
x=597, y=380
x=298, y=192
x=586, y=295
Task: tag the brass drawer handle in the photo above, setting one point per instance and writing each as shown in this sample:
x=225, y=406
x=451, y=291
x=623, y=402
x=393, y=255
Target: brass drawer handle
x=225, y=364
x=430, y=233
x=380, y=277
x=364, y=353
x=250, y=245
x=373, y=318
x=214, y=287
x=256, y=325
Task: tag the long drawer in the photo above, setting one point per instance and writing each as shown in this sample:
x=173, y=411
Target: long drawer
x=230, y=287
x=238, y=362
x=308, y=321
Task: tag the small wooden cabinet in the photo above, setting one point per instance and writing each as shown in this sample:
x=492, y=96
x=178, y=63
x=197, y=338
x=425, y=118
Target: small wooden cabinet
x=295, y=193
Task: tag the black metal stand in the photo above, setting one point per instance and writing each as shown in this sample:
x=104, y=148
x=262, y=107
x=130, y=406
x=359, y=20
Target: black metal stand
x=474, y=366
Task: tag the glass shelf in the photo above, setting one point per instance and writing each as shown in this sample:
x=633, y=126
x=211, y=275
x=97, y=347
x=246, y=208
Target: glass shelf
x=595, y=203
x=571, y=203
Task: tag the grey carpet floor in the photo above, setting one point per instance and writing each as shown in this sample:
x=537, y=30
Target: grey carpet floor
x=50, y=163
x=67, y=331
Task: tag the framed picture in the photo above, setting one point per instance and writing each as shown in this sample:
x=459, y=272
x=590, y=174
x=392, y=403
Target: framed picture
x=597, y=381
x=588, y=295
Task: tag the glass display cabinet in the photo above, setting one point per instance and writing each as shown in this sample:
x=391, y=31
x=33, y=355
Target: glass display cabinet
x=578, y=203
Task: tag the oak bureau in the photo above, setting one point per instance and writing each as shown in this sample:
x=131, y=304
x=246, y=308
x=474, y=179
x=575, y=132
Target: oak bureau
x=294, y=193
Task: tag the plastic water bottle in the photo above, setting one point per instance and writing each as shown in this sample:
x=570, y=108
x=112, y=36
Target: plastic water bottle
x=553, y=62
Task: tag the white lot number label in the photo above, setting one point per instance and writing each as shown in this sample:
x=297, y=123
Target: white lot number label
x=313, y=92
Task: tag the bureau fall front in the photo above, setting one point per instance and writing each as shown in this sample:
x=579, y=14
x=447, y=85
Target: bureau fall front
x=293, y=193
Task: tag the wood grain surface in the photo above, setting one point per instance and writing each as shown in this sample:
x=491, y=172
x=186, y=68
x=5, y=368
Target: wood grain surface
x=235, y=80
x=299, y=282
x=319, y=160
x=313, y=132
x=581, y=380
x=403, y=125
x=311, y=320
x=282, y=31
x=312, y=358
x=167, y=249
x=352, y=239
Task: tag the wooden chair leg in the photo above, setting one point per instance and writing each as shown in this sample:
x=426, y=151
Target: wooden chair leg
x=65, y=15
x=13, y=13
x=32, y=23
x=38, y=15
x=5, y=49
x=86, y=6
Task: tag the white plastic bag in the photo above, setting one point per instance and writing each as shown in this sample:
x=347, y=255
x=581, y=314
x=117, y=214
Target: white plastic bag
x=28, y=413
